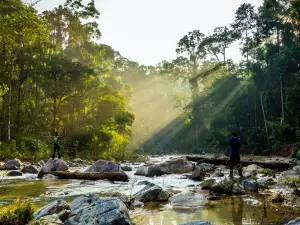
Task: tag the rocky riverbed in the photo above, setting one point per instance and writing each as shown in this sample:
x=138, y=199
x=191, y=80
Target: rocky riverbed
x=164, y=190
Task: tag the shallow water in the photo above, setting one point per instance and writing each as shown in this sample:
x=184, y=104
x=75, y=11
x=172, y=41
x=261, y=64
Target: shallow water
x=248, y=209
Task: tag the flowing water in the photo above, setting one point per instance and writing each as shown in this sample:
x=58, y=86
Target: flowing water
x=231, y=210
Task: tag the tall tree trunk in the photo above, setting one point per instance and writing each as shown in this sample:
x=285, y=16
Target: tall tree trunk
x=9, y=112
x=282, y=101
x=54, y=113
x=19, y=108
x=263, y=111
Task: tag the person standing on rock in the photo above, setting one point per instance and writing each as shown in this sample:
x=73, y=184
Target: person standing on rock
x=56, y=144
x=235, y=159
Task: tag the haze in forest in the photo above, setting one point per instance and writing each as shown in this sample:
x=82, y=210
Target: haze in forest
x=147, y=31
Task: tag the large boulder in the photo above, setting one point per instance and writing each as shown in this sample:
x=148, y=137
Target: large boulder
x=250, y=185
x=151, y=193
x=197, y=222
x=13, y=164
x=90, y=209
x=30, y=169
x=294, y=222
x=150, y=171
x=59, y=207
x=47, y=220
x=188, y=200
x=198, y=174
x=14, y=173
x=104, y=166
x=53, y=165
x=180, y=165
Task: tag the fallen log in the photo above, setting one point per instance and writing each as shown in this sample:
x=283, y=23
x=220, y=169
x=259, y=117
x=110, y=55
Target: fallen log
x=113, y=176
x=275, y=165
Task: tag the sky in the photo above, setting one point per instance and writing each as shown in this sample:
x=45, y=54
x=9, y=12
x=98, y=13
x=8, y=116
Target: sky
x=147, y=31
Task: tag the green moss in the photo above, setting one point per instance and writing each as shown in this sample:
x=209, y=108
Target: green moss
x=16, y=213
x=291, y=181
x=268, y=173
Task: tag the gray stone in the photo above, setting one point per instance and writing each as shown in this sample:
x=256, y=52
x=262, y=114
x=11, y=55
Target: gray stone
x=104, y=166
x=223, y=186
x=250, y=185
x=294, y=222
x=47, y=220
x=238, y=189
x=163, y=196
x=90, y=209
x=145, y=182
x=218, y=174
x=188, y=200
x=126, y=168
x=14, y=173
x=30, y=169
x=197, y=222
x=53, y=165
x=207, y=184
x=13, y=164
x=206, y=167
x=198, y=174
x=148, y=193
x=124, y=198
x=252, y=168
x=180, y=165
x=54, y=207
x=150, y=171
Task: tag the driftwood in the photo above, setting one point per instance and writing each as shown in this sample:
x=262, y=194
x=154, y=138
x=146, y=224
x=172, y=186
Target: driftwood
x=113, y=176
x=275, y=165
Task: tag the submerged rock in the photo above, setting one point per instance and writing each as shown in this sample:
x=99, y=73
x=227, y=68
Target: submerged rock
x=14, y=173
x=150, y=171
x=53, y=165
x=145, y=182
x=90, y=209
x=47, y=220
x=197, y=222
x=104, y=166
x=13, y=164
x=59, y=207
x=188, y=200
x=30, y=169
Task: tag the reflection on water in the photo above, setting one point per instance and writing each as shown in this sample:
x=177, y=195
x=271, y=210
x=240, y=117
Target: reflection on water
x=230, y=211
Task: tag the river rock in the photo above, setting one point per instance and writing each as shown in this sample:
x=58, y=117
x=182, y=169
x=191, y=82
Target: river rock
x=53, y=165
x=276, y=198
x=198, y=174
x=223, y=186
x=289, y=174
x=14, y=173
x=151, y=193
x=126, y=168
x=47, y=220
x=145, y=182
x=294, y=222
x=150, y=171
x=207, y=184
x=252, y=168
x=104, y=166
x=55, y=207
x=30, y=169
x=250, y=185
x=180, y=165
x=197, y=222
x=265, y=182
x=206, y=167
x=188, y=200
x=13, y=164
x=90, y=209
x=218, y=174
x=238, y=189
x=124, y=198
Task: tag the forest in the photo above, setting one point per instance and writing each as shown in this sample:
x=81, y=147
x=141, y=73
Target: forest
x=55, y=75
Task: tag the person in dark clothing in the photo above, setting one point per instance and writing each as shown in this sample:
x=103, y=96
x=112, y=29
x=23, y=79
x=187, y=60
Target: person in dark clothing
x=235, y=159
x=56, y=144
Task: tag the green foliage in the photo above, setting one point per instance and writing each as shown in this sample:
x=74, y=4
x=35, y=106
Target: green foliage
x=18, y=212
x=291, y=181
x=268, y=173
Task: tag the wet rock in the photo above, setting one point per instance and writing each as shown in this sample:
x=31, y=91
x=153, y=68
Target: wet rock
x=150, y=171
x=151, y=193
x=145, y=182
x=206, y=167
x=289, y=174
x=13, y=164
x=90, y=209
x=126, y=168
x=218, y=174
x=47, y=220
x=188, y=200
x=250, y=185
x=223, y=186
x=30, y=169
x=276, y=198
x=104, y=166
x=14, y=173
x=197, y=222
x=207, y=184
x=238, y=189
x=41, y=163
x=55, y=207
x=180, y=165
x=53, y=165
x=198, y=174
x=294, y=222
x=124, y=198
x=266, y=182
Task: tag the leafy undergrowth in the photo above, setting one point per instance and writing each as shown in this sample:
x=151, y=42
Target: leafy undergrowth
x=18, y=212
x=293, y=182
